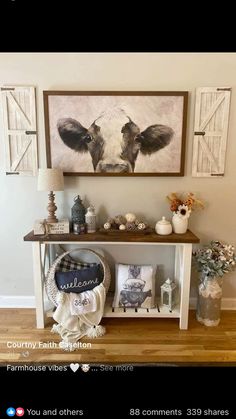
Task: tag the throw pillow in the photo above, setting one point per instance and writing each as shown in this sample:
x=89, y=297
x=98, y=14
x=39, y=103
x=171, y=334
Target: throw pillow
x=135, y=286
x=80, y=280
x=69, y=264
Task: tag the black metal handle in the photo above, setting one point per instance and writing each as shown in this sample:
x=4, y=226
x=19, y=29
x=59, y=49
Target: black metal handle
x=12, y=173
x=199, y=133
x=30, y=132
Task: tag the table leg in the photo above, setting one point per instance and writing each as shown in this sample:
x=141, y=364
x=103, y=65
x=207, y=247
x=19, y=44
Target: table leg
x=38, y=284
x=185, y=272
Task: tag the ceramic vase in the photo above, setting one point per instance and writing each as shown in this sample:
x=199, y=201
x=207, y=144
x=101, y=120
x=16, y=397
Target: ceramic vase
x=90, y=218
x=180, y=225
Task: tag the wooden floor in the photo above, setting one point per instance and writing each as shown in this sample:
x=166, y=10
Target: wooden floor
x=125, y=341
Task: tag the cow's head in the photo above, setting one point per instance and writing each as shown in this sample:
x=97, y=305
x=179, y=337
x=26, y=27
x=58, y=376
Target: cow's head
x=113, y=140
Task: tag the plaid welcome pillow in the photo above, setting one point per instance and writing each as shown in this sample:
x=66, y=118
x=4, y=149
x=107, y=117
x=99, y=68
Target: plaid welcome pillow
x=79, y=280
x=69, y=264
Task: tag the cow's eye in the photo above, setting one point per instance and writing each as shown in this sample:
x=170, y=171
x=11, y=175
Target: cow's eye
x=138, y=138
x=88, y=138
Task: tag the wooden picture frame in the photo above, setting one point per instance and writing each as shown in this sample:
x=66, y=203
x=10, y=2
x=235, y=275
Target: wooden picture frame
x=116, y=133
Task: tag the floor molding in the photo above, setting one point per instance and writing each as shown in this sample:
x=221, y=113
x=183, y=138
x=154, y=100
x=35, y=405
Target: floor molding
x=28, y=301
x=226, y=303
x=20, y=301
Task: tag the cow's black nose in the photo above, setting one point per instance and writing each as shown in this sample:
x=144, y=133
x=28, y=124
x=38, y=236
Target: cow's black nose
x=113, y=168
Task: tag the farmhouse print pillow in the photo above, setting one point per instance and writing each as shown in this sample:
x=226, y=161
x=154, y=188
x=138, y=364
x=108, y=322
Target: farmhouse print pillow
x=135, y=286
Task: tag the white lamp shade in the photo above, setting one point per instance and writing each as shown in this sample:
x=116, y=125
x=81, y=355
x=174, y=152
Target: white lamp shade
x=50, y=180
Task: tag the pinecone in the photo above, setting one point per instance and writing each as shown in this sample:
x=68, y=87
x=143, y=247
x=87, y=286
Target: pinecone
x=110, y=220
x=130, y=226
x=120, y=219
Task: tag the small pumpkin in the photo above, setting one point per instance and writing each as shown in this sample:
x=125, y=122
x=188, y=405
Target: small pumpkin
x=130, y=217
x=107, y=226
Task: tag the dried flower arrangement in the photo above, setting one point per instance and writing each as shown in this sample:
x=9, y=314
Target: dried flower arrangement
x=216, y=259
x=183, y=205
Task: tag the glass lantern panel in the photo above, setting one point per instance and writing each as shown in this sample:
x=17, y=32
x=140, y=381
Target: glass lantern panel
x=166, y=298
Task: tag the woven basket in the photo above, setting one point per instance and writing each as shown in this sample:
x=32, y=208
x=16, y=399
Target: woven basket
x=50, y=282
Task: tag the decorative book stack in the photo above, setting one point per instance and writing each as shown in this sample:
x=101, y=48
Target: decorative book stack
x=43, y=227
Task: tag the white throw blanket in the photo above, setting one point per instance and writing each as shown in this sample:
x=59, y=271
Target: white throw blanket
x=73, y=327
x=84, y=302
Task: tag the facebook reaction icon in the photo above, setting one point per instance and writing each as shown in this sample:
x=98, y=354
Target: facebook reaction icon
x=10, y=411
x=20, y=411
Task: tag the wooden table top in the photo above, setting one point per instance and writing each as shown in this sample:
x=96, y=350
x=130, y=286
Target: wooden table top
x=115, y=236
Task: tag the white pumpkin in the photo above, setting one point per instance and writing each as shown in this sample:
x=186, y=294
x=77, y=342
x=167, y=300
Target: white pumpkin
x=130, y=217
x=107, y=226
x=122, y=227
x=141, y=226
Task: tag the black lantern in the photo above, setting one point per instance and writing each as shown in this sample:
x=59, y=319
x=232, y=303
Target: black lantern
x=78, y=216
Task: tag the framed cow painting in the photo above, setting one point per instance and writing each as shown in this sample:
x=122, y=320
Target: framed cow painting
x=116, y=133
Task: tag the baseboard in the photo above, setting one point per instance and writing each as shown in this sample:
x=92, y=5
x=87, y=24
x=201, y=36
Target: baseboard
x=226, y=303
x=20, y=301
x=28, y=301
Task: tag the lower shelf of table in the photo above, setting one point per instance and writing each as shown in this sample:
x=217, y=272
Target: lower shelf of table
x=158, y=311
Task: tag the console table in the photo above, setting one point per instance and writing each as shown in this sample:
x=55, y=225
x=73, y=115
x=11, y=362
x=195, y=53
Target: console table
x=183, y=256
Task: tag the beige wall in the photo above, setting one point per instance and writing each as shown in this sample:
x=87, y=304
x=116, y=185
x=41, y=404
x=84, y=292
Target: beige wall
x=21, y=204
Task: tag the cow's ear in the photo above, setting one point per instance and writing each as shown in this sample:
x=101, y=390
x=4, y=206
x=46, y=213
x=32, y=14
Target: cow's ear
x=73, y=134
x=154, y=138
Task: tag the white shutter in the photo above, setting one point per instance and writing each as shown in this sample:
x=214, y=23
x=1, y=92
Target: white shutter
x=210, y=131
x=19, y=119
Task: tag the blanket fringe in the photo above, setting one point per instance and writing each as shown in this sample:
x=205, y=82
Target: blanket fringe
x=92, y=333
x=55, y=328
x=96, y=331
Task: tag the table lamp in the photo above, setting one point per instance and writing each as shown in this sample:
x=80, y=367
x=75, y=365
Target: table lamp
x=51, y=180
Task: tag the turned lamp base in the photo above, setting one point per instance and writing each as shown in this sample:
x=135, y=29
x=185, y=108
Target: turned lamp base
x=51, y=209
